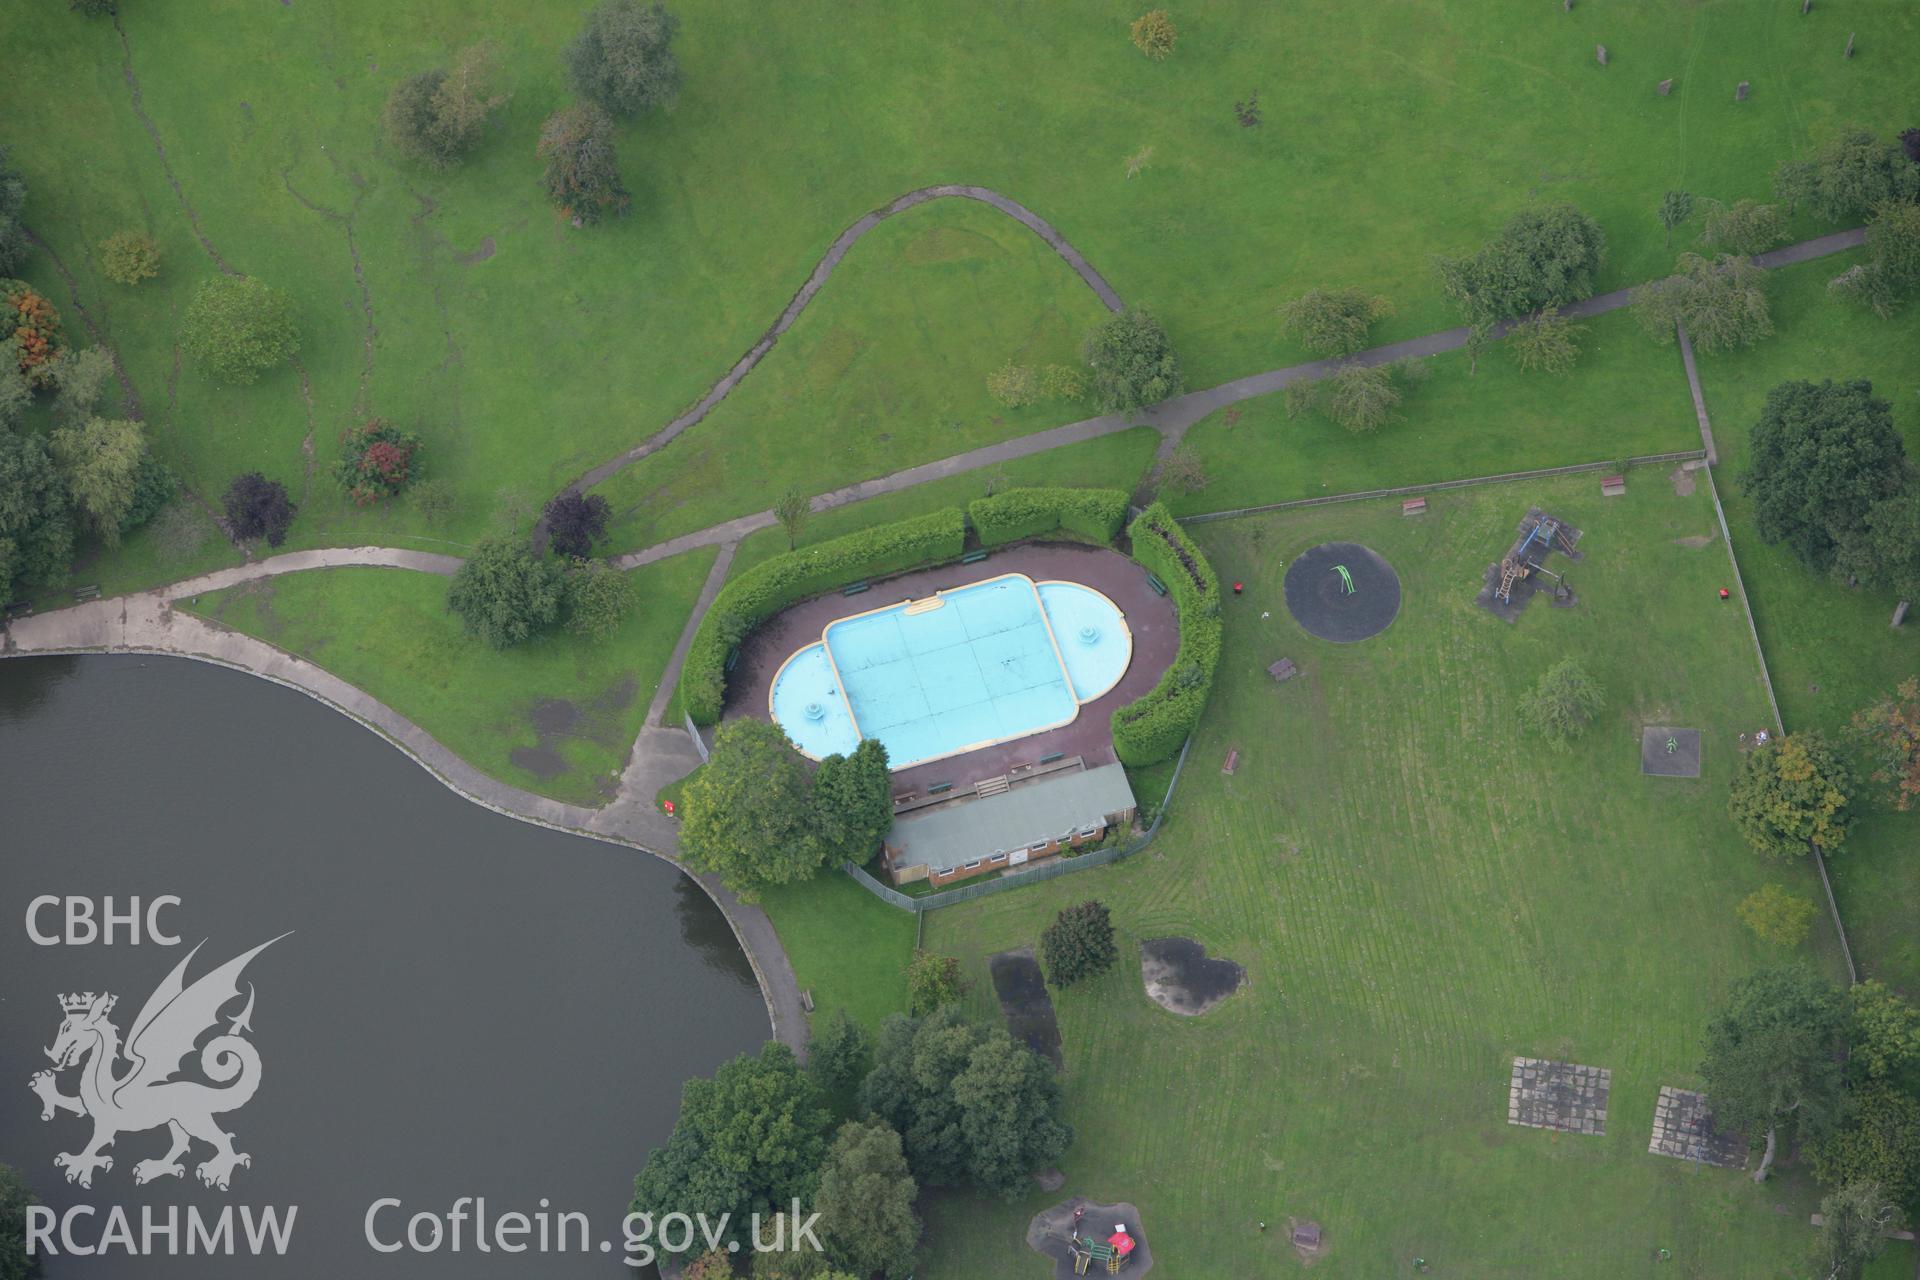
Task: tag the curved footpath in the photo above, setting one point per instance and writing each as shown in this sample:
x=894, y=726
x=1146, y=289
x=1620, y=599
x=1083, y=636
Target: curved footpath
x=146, y=622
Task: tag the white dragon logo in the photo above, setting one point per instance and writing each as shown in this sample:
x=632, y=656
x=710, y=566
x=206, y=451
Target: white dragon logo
x=147, y=1096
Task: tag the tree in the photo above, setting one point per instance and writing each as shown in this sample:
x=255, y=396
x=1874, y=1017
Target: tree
x=838, y=1056
x=972, y=1107
x=14, y=244
x=1544, y=257
x=153, y=489
x=35, y=324
x=1880, y=1143
x=15, y=394
x=1790, y=792
x=867, y=1222
x=377, y=460
x=505, y=594
x=1361, y=397
x=1777, y=916
x=1888, y=734
x=1333, y=322
x=1014, y=385
x=128, y=257
x=237, y=326
x=748, y=815
x=1722, y=303
x=575, y=521
x=435, y=117
x=1183, y=471
x=100, y=463
x=623, y=61
x=1770, y=1065
x=1548, y=342
x=1854, y=1220
x=1885, y=550
x=933, y=982
x=1675, y=208
x=598, y=598
x=1563, y=703
x=80, y=378
x=749, y=1141
x=1078, y=944
x=1886, y=1030
x=1153, y=34
x=1131, y=361
x=853, y=801
x=1820, y=457
x=434, y=501
x=711, y=1265
x=583, y=173
x=1848, y=177
x=791, y=510
x=258, y=508
x=36, y=527
x=1891, y=273
x=15, y=1262
x=1745, y=227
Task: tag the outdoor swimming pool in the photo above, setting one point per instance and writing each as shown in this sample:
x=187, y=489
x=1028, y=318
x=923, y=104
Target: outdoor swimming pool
x=965, y=668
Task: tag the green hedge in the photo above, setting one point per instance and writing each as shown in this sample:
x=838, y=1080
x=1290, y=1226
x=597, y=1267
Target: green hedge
x=1091, y=515
x=772, y=585
x=1151, y=729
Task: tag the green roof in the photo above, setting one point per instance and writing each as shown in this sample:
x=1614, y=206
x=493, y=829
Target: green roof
x=1047, y=808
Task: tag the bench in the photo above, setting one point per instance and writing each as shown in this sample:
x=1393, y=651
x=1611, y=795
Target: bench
x=1233, y=762
x=733, y=659
x=1900, y=613
x=1283, y=670
x=86, y=593
x=1159, y=587
x=939, y=788
x=1613, y=486
x=1413, y=506
x=974, y=557
x=854, y=589
x=18, y=609
x=1051, y=756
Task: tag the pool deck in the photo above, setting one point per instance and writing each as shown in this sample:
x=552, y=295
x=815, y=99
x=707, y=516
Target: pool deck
x=1156, y=638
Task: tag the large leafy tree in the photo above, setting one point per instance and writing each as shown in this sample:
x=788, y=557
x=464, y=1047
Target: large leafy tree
x=1849, y=176
x=1543, y=257
x=1722, y=303
x=867, y=1222
x=1885, y=550
x=435, y=117
x=1821, y=456
x=853, y=801
x=1131, y=361
x=1333, y=322
x=101, y=464
x=933, y=982
x=575, y=521
x=1771, y=1065
x=838, y=1056
x=623, y=58
x=749, y=815
x=1078, y=944
x=582, y=176
x=1886, y=1030
x=1880, y=1142
x=598, y=598
x=80, y=378
x=36, y=525
x=749, y=1141
x=1792, y=792
x=258, y=508
x=972, y=1107
x=1889, y=734
x=15, y=1262
x=505, y=594
x=1563, y=703
x=236, y=327
x=1891, y=273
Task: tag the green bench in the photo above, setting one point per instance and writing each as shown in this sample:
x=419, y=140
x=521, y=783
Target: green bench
x=1159, y=587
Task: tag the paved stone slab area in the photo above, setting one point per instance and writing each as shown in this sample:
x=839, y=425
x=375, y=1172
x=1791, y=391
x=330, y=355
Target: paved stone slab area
x=1683, y=1128
x=1667, y=752
x=1558, y=1095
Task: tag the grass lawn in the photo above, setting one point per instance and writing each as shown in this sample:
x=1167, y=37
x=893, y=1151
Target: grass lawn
x=847, y=947
x=1419, y=892
x=1829, y=648
x=524, y=352
x=1624, y=398
x=557, y=716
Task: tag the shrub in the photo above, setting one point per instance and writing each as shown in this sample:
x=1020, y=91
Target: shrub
x=1014, y=385
x=1131, y=361
x=598, y=599
x=1154, y=727
x=1791, y=792
x=237, y=326
x=1078, y=944
x=1879, y=1143
x=771, y=586
x=153, y=489
x=575, y=521
x=504, y=594
x=1542, y=258
x=1333, y=322
x=434, y=500
x=376, y=461
x=1887, y=733
x=1153, y=33
x=36, y=331
x=128, y=257
x=933, y=981
x=1062, y=382
x=1563, y=703
x=435, y=117
x=1548, y=342
x=1361, y=397
x=1083, y=515
x=583, y=173
x=1777, y=916
x=623, y=58
x=1744, y=227
x=258, y=508
x=1886, y=1030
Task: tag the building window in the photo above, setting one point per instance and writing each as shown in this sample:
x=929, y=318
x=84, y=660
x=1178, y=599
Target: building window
x=1091, y=830
x=998, y=857
x=1039, y=846
x=972, y=866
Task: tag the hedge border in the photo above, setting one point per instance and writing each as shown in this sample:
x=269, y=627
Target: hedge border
x=1086, y=515
x=1155, y=726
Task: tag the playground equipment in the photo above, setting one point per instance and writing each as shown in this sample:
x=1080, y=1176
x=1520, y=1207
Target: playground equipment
x=1113, y=1253
x=1545, y=537
x=1346, y=580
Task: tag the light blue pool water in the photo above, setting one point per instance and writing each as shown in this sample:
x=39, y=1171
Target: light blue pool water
x=936, y=677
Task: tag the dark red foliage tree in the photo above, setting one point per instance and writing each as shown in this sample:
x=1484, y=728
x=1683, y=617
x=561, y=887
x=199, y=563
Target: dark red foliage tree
x=259, y=508
x=575, y=521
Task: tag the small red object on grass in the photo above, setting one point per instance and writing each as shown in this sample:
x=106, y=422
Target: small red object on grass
x=667, y=805
x=1237, y=587
x=1723, y=593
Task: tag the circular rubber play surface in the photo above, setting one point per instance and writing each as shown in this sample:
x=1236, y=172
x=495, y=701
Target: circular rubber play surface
x=1343, y=592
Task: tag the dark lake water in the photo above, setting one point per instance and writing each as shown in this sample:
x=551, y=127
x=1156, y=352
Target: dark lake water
x=467, y=1005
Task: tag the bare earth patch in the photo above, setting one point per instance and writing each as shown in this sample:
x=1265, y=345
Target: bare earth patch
x=480, y=254
x=1682, y=477
x=1695, y=542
